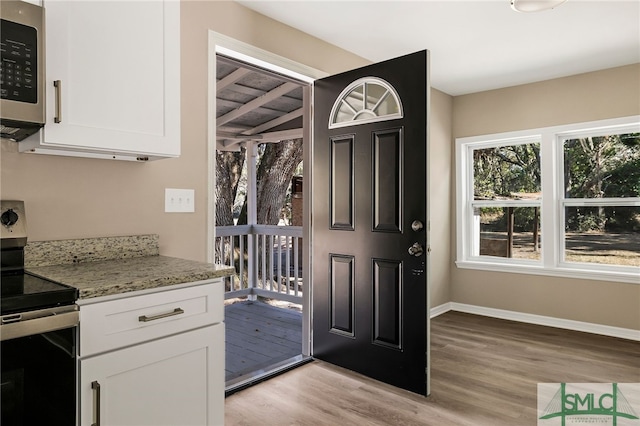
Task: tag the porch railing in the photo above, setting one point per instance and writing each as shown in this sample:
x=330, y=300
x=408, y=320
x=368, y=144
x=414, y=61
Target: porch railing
x=268, y=260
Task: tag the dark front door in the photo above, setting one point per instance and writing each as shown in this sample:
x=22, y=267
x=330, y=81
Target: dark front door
x=369, y=186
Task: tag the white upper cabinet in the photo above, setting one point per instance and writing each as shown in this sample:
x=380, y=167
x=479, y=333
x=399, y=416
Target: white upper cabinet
x=113, y=80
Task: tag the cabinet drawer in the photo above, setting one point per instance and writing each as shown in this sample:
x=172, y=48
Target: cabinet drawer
x=122, y=322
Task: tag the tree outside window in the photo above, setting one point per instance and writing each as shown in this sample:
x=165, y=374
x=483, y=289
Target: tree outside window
x=562, y=200
x=506, y=201
x=601, y=179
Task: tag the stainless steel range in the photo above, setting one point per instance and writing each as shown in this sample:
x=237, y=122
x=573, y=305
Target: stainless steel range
x=38, y=320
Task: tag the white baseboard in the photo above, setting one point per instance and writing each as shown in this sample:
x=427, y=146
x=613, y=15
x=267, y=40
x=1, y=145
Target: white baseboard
x=439, y=310
x=623, y=333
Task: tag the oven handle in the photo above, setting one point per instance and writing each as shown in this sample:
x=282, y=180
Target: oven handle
x=38, y=322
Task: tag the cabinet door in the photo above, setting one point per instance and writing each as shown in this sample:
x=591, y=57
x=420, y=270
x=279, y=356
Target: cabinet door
x=118, y=64
x=177, y=380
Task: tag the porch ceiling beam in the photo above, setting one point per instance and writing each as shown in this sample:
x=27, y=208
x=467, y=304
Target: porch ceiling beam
x=275, y=122
x=235, y=136
x=228, y=103
x=282, y=135
x=238, y=88
x=230, y=79
x=228, y=145
x=234, y=128
x=263, y=110
x=227, y=139
x=255, y=103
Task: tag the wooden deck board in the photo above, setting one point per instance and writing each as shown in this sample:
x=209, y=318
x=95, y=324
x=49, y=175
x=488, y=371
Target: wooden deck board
x=258, y=335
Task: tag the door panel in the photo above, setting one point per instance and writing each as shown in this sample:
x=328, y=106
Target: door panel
x=342, y=177
x=342, y=295
x=387, y=303
x=369, y=302
x=387, y=180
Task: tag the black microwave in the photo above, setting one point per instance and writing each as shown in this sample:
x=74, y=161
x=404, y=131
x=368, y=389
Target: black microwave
x=22, y=69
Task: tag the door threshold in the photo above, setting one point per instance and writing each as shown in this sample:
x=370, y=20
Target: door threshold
x=255, y=377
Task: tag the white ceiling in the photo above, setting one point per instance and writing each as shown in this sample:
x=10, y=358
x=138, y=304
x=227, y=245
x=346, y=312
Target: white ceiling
x=475, y=45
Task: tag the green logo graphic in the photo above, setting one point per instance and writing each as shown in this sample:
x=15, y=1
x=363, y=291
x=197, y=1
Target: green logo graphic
x=590, y=404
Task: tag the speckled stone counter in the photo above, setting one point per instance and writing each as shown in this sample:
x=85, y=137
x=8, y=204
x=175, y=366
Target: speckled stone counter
x=58, y=252
x=114, y=265
x=94, y=279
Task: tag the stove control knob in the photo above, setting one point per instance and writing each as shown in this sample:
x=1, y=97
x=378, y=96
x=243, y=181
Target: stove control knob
x=9, y=218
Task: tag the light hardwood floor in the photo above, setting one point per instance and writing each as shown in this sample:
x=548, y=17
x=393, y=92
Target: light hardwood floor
x=484, y=371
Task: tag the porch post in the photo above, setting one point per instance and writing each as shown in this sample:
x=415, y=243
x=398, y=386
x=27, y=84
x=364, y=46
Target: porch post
x=252, y=213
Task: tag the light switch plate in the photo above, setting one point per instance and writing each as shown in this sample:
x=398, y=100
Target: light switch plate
x=179, y=200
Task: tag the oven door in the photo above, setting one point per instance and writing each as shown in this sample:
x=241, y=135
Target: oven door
x=39, y=373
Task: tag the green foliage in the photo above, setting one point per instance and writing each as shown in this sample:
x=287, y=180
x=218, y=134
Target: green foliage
x=523, y=219
x=608, y=218
x=623, y=219
x=602, y=167
x=502, y=171
x=582, y=220
x=594, y=167
x=625, y=180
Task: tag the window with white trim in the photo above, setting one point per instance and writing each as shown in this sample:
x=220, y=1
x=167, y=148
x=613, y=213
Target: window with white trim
x=562, y=201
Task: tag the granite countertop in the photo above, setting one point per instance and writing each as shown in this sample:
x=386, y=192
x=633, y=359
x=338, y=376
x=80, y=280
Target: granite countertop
x=107, y=266
x=94, y=279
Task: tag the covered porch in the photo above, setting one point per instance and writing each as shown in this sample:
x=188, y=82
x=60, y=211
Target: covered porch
x=263, y=301
x=266, y=325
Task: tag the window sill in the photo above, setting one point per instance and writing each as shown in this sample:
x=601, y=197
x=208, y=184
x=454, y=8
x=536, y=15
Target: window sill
x=563, y=272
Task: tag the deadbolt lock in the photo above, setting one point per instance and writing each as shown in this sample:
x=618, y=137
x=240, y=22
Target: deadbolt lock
x=416, y=225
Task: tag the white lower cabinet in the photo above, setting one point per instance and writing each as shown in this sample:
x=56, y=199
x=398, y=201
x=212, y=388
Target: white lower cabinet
x=170, y=381
x=153, y=358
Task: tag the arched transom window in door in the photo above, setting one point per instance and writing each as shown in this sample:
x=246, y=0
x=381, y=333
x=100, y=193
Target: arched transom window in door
x=366, y=100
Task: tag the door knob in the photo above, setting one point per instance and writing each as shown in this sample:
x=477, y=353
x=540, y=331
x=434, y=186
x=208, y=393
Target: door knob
x=416, y=250
x=416, y=225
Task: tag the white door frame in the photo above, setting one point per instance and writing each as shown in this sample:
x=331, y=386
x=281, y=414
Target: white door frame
x=219, y=43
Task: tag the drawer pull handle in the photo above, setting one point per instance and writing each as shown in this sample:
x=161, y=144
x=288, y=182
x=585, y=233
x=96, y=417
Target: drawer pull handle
x=96, y=403
x=176, y=311
x=58, y=91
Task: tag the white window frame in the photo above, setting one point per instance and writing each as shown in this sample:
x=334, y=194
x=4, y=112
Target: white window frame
x=552, y=203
